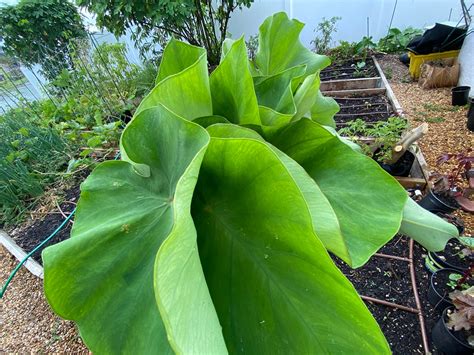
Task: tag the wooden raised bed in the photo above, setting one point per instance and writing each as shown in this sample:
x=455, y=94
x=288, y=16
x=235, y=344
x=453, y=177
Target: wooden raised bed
x=365, y=90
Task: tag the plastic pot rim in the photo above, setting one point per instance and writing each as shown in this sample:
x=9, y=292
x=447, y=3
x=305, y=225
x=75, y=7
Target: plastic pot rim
x=444, y=316
x=432, y=280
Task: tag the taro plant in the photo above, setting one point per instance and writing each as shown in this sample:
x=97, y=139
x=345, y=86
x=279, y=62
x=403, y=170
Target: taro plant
x=211, y=235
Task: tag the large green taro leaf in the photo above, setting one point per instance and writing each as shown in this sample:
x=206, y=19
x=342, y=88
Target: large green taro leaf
x=130, y=274
x=233, y=94
x=367, y=201
x=324, y=109
x=280, y=47
x=177, y=57
x=426, y=228
x=325, y=221
x=183, y=85
x=275, y=96
x=274, y=286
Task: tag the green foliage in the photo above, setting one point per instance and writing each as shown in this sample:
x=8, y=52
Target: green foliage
x=30, y=157
x=325, y=29
x=346, y=50
x=453, y=282
x=252, y=46
x=364, y=47
x=94, y=98
x=386, y=134
x=359, y=69
x=215, y=226
x=38, y=32
x=86, y=109
x=396, y=40
x=153, y=23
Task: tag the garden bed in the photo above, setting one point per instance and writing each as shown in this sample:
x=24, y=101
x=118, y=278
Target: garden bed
x=349, y=69
x=369, y=108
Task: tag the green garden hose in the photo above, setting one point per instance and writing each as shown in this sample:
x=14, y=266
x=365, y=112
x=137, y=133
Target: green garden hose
x=15, y=270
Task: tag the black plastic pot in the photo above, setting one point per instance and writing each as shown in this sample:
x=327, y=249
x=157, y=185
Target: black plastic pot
x=470, y=115
x=433, y=204
x=442, y=264
x=445, y=341
x=460, y=94
x=438, y=294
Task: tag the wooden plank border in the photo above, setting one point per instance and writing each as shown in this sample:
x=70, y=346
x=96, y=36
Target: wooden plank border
x=389, y=92
x=34, y=267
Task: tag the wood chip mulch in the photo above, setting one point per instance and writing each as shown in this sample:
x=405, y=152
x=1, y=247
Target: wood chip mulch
x=27, y=324
x=447, y=124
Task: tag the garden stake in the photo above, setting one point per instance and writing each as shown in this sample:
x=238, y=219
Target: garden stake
x=18, y=90
x=94, y=43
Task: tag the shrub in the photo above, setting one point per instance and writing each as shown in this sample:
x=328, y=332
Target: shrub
x=210, y=235
x=325, y=29
x=396, y=40
x=39, y=31
x=153, y=23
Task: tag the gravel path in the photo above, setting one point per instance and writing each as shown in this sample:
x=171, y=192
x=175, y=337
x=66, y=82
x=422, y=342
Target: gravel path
x=447, y=124
x=27, y=324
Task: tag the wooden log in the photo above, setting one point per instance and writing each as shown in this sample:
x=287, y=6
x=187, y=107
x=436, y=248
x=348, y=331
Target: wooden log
x=406, y=141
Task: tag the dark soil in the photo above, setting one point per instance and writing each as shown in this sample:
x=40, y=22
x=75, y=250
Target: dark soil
x=370, y=109
x=348, y=70
x=34, y=234
x=452, y=255
x=389, y=280
x=440, y=282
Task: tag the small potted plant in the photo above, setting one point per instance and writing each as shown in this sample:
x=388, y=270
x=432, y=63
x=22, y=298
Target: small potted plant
x=445, y=281
x=451, y=334
x=448, y=192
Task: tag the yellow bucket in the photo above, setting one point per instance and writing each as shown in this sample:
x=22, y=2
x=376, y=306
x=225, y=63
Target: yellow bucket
x=417, y=60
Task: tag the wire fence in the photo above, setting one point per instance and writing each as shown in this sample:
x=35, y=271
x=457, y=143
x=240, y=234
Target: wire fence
x=101, y=77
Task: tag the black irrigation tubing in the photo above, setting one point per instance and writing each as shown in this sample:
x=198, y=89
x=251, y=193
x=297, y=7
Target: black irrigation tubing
x=418, y=310
x=5, y=98
x=43, y=87
x=37, y=247
x=21, y=94
x=94, y=43
x=93, y=82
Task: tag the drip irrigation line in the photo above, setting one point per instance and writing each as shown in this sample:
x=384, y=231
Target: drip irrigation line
x=421, y=319
x=390, y=304
x=15, y=270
